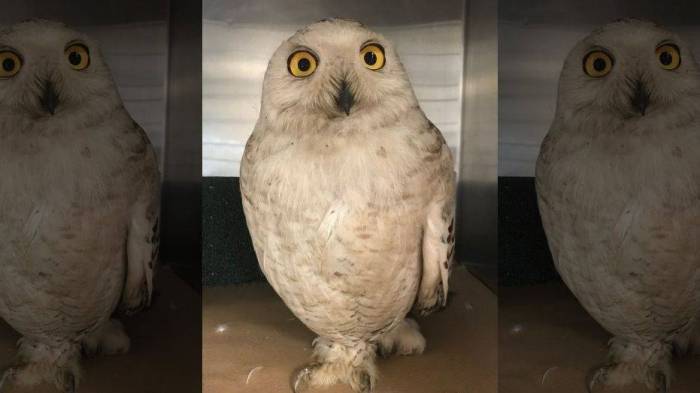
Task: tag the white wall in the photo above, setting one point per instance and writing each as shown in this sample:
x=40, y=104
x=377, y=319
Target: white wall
x=530, y=59
x=137, y=54
x=234, y=63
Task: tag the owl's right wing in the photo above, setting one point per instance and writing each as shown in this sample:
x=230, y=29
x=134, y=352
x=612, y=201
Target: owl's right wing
x=143, y=237
x=438, y=233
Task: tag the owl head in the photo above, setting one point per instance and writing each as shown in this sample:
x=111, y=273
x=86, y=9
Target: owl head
x=337, y=73
x=628, y=70
x=49, y=72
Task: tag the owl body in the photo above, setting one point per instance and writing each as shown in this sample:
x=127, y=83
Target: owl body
x=619, y=194
x=348, y=192
x=623, y=218
x=65, y=209
x=79, y=203
x=344, y=214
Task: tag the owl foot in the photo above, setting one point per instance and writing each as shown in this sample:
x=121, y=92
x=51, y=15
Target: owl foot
x=606, y=375
x=108, y=339
x=302, y=377
x=597, y=376
x=68, y=382
x=645, y=362
x=26, y=376
x=404, y=339
x=7, y=377
x=316, y=374
x=336, y=363
x=56, y=363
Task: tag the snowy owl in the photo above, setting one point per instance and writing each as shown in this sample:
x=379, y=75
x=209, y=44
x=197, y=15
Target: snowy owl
x=348, y=193
x=79, y=203
x=618, y=183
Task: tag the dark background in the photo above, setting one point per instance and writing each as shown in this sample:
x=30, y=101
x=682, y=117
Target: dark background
x=524, y=256
x=227, y=251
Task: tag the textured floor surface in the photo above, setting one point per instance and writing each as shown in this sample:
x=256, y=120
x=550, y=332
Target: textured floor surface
x=548, y=343
x=165, y=350
x=252, y=343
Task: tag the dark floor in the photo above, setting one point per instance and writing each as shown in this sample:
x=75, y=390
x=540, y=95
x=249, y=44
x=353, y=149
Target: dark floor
x=548, y=343
x=252, y=343
x=165, y=355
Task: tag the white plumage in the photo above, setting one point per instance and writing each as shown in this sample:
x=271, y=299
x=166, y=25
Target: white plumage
x=348, y=192
x=79, y=203
x=618, y=181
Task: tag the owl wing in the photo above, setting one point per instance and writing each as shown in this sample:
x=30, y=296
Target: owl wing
x=438, y=234
x=143, y=236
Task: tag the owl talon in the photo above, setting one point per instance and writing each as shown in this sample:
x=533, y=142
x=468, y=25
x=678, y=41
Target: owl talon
x=595, y=377
x=662, y=384
x=7, y=376
x=68, y=382
x=365, y=385
x=300, y=381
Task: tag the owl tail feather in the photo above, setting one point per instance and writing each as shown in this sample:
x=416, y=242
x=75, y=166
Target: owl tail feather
x=56, y=363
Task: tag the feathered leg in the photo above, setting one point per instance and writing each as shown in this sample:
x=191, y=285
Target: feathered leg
x=404, y=339
x=57, y=363
x=648, y=363
x=108, y=339
x=335, y=363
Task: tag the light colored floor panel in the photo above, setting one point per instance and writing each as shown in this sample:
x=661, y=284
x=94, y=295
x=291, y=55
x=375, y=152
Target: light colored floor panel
x=548, y=344
x=253, y=343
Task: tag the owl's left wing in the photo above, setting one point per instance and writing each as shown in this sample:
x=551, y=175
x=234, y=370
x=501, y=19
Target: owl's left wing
x=438, y=234
x=143, y=236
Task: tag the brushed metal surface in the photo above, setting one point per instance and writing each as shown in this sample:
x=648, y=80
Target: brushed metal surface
x=477, y=208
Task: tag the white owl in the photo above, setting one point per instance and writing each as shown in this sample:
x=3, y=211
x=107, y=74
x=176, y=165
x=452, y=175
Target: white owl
x=79, y=203
x=348, y=192
x=618, y=183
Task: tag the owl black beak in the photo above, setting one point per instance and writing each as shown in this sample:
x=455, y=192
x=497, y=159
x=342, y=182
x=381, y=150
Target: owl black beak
x=49, y=98
x=345, y=99
x=640, y=97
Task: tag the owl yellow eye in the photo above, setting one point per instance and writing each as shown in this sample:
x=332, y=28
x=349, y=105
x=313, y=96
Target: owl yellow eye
x=372, y=56
x=302, y=63
x=597, y=64
x=10, y=64
x=669, y=56
x=78, y=56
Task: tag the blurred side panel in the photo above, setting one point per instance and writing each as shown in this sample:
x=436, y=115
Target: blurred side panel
x=181, y=216
x=477, y=238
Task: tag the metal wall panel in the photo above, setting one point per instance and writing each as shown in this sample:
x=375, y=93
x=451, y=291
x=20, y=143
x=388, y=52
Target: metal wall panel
x=535, y=38
x=477, y=207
